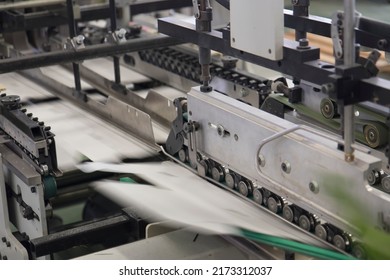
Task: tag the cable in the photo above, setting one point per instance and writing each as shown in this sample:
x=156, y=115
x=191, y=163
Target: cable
x=294, y=246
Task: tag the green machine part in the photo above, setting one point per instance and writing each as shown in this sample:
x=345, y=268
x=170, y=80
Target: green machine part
x=49, y=186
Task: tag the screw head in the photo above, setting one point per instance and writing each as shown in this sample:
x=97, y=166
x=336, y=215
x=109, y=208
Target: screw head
x=313, y=186
x=261, y=160
x=286, y=167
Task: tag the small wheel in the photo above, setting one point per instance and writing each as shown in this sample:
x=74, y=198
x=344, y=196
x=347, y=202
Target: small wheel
x=217, y=173
x=230, y=180
x=258, y=196
x=359, y=252
x=373, y=177
x=244, y=187
x=339, y=242
x=288, y=213
x=183, y=155
x=386, y=184
x=203, y=168
x=372, y=135
x=328, y=108
x=274, y=204
x=304, y=222
x=321, y=232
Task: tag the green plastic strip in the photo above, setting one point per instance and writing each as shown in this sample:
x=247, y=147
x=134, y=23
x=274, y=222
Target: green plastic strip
x=295, y=246
x=127, y=180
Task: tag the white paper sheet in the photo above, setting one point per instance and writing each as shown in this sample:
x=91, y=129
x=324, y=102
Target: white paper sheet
x=178, y=195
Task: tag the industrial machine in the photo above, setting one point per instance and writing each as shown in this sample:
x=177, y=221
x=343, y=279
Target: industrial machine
x=118, y=82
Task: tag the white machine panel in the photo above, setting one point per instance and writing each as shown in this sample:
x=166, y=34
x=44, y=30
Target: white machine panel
x=257, y=27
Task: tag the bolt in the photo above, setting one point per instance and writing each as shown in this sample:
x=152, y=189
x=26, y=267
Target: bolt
x=221, y=130
x=33, y=189
x=244, y=92
x=121, y=33
x=4, y=239
x=328, y=88
x=5, y=258
x=303, y=44
x=79, y=40
x=286, y=167
x=236, y=137
x=313, y=186
x=261, y=160
x=382, y=44
x=8, y=244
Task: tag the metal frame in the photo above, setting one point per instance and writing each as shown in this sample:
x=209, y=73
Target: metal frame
x=89, y=233
x=15, y=20
x=298, y=63
x=89, y=52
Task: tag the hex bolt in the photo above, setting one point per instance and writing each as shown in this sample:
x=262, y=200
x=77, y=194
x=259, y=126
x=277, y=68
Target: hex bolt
x=33, y=189
x=79, y=40
x=286, y=167
x=303, y=44
x=313, y=186
x=244, y=92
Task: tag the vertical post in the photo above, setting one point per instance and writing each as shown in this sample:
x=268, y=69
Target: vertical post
x=117, y=71
x=300, y=9
x=349, y=60
x=203, y=24
x=72, y=34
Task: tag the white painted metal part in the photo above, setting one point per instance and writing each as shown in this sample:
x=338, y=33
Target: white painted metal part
x=257, y=27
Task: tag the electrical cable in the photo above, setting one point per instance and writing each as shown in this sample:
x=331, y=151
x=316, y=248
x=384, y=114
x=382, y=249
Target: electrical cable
x=294, y=246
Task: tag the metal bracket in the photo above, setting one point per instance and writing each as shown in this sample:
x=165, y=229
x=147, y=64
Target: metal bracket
x=337, y=28
x=190, y=128
x=196, y=8
x=117, y=37
x=75, y=43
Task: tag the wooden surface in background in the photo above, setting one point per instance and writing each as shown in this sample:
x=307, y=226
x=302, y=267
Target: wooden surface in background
x=326, y=47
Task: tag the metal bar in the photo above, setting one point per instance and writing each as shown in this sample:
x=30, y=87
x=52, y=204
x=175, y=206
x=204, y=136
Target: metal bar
x=349, y=61
x=89, y=52
x=93, y=232
x=300, y=9
x=158, y=5
x=117, y=70
x=72, y=34
x=368, y=33
x=300, y=64
x=30, y=4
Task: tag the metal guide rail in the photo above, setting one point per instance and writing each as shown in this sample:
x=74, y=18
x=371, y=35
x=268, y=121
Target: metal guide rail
x=185, y=65
x=28, y=135
x=280, y=166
